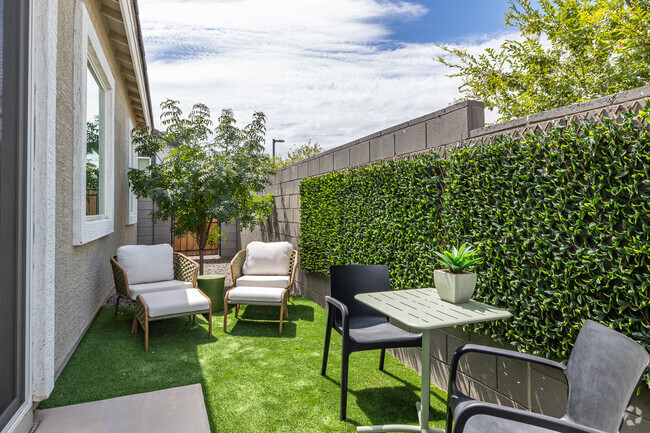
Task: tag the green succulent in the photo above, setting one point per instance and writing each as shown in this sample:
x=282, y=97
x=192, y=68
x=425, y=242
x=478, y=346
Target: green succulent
x=458, y=259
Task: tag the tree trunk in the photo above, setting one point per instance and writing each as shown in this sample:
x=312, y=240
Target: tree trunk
x=200, y=236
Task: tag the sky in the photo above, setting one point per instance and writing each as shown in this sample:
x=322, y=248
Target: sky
x=326, y=71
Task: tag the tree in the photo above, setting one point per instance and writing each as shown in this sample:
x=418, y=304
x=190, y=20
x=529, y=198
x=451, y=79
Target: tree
x=92, y=155
x=203, y=178
x=570, y=51
x=298, y=153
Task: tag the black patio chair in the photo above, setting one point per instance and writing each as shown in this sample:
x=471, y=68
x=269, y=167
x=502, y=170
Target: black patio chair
x=361, y=327
x=602, y=375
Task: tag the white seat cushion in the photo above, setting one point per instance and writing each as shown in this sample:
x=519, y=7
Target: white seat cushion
x=267, y=258
x=160, y=286
x=255, y=295
x=147, y=263
x=175, y=302
x=280, y=281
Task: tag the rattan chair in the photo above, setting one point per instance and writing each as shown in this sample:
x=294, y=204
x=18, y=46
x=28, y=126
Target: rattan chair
x=236, y=269
x=185, y=269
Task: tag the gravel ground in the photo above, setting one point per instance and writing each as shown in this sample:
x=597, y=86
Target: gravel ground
x=212, y=264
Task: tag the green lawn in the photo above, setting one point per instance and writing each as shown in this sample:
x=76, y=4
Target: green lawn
x=253, y=379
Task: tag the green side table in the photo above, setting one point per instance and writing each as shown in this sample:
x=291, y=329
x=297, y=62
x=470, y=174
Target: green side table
x=212, y=285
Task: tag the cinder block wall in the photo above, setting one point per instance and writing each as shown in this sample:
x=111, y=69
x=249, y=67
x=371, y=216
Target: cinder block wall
x=150, y=232
x=230, y=240
x=488, y=378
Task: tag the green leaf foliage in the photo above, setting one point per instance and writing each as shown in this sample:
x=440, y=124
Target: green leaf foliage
x=569, y=51
x=207, y=175
x=561, y=220
x=298, y=153
x=457, y=260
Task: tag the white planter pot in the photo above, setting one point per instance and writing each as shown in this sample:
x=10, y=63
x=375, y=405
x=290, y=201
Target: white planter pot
x=454, y=288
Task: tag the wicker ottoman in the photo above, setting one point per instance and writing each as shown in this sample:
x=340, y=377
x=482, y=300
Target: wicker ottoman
x=165, y=305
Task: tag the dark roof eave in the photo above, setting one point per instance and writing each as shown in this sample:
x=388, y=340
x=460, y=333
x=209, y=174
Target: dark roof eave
x=144, y=59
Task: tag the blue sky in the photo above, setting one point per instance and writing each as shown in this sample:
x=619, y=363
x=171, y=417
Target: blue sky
x=449, y=21
x=329, y=71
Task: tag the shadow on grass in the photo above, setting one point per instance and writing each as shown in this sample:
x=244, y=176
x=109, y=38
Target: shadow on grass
x=259, y=320
x=296, y=312
x=392, y=404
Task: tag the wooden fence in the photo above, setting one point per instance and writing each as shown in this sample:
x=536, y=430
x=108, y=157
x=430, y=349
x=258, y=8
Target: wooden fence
x=189, y=245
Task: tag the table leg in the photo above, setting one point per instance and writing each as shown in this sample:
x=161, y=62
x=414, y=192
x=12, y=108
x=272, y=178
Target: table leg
x=425, y=386
x=423, y=406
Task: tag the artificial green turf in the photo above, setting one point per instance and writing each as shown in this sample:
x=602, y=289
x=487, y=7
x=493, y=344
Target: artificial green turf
x=253, y=379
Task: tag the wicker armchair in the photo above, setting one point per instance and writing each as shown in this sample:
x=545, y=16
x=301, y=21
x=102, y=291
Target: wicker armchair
x=236, y=269
x=185, y=269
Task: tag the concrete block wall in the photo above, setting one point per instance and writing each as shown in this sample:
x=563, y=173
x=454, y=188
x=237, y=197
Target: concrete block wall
x=150, y=232
x=230, y=241
x=507, y=382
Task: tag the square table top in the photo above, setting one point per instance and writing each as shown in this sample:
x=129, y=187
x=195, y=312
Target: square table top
x=423, y=308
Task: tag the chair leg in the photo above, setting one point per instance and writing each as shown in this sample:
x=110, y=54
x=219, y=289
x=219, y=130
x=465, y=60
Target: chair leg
x=135, y=324
x=326, y=349
x=210, y=324
x=381, y=359
x=450, y=417
x=345, y=358
x=146, y=335
x=236, y=311
x=281, y=317
x=225, y=312
x=117, y=304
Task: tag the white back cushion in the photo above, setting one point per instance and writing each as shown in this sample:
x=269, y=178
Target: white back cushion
x=147, y=263
x=267, y=258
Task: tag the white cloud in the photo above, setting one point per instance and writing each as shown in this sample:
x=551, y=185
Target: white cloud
x=323, y=70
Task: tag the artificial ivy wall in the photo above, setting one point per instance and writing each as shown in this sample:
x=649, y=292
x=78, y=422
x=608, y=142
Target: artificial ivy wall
x=562, y=223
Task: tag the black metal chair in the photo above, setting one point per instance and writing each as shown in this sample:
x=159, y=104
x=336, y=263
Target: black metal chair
x=602, y=375
x=361, y=327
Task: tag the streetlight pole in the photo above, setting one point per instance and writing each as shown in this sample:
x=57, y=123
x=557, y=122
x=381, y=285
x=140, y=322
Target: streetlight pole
x=276, y=141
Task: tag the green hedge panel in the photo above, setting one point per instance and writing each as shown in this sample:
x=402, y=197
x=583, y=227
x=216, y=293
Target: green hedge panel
x=561, y=221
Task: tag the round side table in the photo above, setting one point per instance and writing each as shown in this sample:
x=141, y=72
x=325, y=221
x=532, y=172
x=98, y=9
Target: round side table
x=212, y=285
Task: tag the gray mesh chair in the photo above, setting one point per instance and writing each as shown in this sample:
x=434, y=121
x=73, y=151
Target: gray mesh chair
x=602, y=375
x=361, y=327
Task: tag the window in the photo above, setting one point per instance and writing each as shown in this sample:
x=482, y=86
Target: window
x=143, y=162
x=95, y=188
x=14, y=371
x=94, y=142
x=132, y=162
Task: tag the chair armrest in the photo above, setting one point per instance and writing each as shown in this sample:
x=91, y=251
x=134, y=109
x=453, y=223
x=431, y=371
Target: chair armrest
x=120, y=278
x=237, y=266
x=185, y=269
x=345, y=315
x=474, y=348
x=530, y=418
x=503, y=353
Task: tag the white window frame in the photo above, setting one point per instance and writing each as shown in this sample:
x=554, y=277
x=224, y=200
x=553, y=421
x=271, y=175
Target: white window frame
x=88, y=51
x=131, y=162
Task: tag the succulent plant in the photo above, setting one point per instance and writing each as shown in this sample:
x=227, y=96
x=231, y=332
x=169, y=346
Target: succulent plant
x=458, y=259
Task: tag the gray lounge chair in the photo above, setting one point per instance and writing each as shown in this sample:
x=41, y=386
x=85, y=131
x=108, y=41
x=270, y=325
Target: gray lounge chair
x=602, y=375
x=361, y=327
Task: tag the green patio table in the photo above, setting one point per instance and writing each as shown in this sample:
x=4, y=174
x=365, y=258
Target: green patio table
x=423, y=310
x=212, y=285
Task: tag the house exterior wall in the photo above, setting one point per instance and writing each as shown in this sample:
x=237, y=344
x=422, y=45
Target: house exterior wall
x=487, y=378
x=83, y=278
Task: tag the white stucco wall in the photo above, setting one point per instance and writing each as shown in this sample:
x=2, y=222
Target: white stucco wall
x=83, y=277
